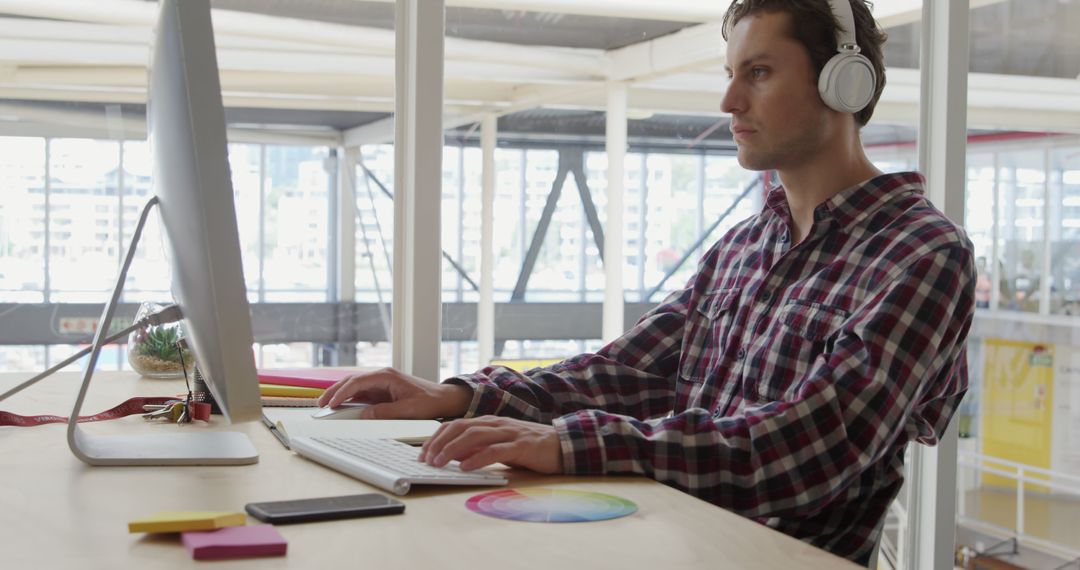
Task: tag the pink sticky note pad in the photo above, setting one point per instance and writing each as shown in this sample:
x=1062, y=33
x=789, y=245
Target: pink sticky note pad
x=235, y=542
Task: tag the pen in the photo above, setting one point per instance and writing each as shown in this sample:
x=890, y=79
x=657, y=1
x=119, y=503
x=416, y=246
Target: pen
x=277, y=433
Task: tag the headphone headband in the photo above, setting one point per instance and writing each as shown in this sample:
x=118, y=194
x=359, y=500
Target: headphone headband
x=845, y=34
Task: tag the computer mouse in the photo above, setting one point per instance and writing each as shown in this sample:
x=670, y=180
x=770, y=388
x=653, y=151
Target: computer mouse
x=346, y=411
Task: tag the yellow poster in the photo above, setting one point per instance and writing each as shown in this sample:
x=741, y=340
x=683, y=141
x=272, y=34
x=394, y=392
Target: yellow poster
x=1017, y=415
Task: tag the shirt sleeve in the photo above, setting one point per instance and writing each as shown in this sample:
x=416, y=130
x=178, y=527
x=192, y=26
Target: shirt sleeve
x=896, y=370
x=633, y=376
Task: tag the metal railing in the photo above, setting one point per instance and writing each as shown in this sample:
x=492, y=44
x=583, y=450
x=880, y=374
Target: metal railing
x=1024, y=475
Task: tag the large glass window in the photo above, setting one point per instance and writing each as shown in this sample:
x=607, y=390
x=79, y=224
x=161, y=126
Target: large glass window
x=1065, y=230
x=149, y=276
x=71, y=206
x=676, y=218
x=568, y=266
x=14, y=358
x=511, y=239
x=555, y=275
x=979, y=222
x=22, y=220
x=297, y=224
x=692, y=200
x=373, y=275
x=1022, y=178
x=246, y=162
x=84, y=219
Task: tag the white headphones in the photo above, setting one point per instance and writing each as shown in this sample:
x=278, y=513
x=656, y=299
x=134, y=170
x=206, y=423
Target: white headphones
x=847, y=81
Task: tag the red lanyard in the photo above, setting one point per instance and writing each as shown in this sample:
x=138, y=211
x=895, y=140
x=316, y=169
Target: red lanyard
x=132, y=406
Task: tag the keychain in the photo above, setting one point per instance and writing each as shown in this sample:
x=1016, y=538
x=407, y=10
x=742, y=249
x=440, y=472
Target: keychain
x=179, y=411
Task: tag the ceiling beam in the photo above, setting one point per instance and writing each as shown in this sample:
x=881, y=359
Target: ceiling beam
x=688, y=49
x=138, y=35
x=354, y=38
x=529, y=97
x=272, y=62
x=131, y=127
x=665, y=10
x=38, y=55
x=891, y=13
x=995, y=101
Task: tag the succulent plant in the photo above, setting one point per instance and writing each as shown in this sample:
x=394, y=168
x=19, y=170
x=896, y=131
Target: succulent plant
x=160, y=343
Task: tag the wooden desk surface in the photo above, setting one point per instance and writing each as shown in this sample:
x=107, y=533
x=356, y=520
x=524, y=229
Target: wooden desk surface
x=56, y=512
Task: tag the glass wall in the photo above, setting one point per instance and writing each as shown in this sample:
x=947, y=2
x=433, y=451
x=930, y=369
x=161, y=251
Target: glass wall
x=1064, y=225
x=1023, y=217
x=23, y=223
x=568, y=267
x=83, y=251
x=71, y=205
x=296, y=224
x=1015, y=190
x=373, y=276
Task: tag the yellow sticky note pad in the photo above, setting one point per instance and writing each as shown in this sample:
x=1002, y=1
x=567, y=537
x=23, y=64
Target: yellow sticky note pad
x=182, y=521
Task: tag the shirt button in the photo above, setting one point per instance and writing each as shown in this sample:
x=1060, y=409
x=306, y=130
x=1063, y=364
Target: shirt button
x=766, y=296
x=716, y=413
x=784, y=237
x=741, y=354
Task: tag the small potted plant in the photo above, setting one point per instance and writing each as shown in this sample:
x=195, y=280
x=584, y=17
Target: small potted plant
x=153, y=351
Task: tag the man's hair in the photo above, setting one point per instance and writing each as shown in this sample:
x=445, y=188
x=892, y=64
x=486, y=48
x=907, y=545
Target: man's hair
x=813, y=25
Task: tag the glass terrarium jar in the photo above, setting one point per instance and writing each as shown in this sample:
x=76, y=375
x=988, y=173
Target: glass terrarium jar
x=153, y=350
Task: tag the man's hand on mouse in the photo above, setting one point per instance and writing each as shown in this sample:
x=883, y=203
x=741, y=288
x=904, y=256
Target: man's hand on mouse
x=396, y=395
x=478, y=442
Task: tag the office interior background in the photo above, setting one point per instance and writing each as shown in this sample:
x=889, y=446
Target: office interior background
x=308, y=87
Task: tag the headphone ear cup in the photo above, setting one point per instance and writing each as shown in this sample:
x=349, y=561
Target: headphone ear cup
x=847, y=82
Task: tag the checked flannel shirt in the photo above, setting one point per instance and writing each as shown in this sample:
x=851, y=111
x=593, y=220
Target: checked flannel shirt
x=784, y=382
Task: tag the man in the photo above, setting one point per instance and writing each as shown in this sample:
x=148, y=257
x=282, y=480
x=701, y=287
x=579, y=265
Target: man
x=814, y=342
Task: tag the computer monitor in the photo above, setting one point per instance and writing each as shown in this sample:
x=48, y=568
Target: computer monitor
x=193, y=191
x=186, y=127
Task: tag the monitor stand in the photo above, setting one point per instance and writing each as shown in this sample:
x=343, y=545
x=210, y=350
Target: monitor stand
x=208, y=448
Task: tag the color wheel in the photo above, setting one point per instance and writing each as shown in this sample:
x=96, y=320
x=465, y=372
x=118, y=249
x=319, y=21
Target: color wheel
x=550, y=505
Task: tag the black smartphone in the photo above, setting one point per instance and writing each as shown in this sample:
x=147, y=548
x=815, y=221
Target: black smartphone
x=325, y=508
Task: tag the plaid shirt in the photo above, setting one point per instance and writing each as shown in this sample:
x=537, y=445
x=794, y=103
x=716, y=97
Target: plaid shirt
x=784, y=382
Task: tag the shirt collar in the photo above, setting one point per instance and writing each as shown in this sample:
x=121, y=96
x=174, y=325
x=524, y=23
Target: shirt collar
x=853, y=204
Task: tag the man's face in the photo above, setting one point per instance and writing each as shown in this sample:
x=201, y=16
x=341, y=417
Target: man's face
x=777, y=117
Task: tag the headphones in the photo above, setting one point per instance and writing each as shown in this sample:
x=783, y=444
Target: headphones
x=847, y=81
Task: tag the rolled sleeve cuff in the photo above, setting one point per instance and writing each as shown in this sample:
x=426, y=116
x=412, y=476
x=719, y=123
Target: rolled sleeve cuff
x=486, y=398
x=582, y=442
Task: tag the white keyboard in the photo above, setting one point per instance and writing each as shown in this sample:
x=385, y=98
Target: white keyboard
x=386, y=463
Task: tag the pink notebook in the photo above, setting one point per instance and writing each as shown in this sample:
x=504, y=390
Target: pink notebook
x=234, y=542
x=309, y=377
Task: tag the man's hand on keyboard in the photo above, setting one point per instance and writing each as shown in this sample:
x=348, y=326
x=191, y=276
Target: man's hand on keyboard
x=478, y=442
x=396, y=395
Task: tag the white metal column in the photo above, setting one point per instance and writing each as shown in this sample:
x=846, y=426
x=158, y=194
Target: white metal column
x=995, y=235
x=614, y=260
x=345, y=262
x=942, y=157
x=485, y=309
x=1046, y=267
x=346, y=223
x=418, y=141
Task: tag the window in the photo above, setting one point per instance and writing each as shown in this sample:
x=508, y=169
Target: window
x=296, y=264
x=70, y=208
x=22, y=220
x=83, y=174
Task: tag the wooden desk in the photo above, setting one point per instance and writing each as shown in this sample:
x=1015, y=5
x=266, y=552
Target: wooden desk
x=56, y=512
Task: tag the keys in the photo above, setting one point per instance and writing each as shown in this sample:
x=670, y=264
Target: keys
x=172, y=411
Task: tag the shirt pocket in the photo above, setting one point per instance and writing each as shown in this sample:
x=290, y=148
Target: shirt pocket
x=806, y=330
x=709, y=330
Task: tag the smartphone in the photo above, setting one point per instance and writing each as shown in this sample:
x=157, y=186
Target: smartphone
x=325, y=508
